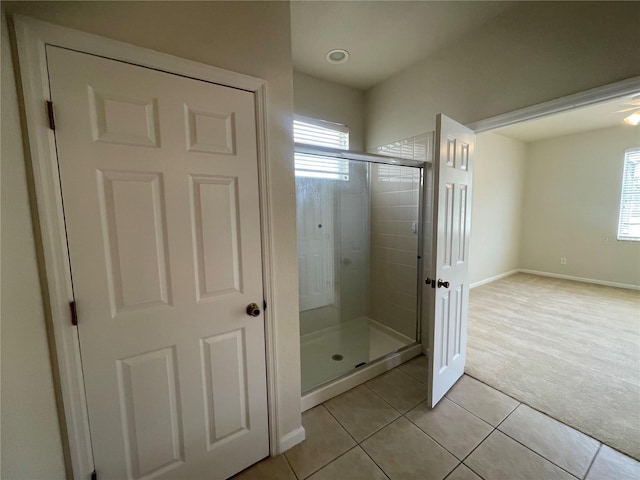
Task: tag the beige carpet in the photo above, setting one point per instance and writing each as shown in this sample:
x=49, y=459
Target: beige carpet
x=568, y=349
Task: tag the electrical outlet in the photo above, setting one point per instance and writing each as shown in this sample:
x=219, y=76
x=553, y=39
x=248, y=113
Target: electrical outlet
x=563, y=260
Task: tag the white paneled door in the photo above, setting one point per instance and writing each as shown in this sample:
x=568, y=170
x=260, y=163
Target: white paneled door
x=449, y=287
x=160, y=188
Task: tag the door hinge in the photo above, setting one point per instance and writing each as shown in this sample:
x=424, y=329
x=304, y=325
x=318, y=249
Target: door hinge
x=264, y=305
x=52, y=121
x=74, y=313
x=94, y=475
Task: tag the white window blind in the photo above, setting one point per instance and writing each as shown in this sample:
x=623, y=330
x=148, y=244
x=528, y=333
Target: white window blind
x=629, y=221
x=323, y=134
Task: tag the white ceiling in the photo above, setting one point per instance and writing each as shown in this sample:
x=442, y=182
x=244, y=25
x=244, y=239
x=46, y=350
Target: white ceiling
x=385, y=37
x=382, y=37
x=600, y=115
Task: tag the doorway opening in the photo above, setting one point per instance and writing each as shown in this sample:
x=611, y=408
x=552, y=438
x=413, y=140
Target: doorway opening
x=558, y=327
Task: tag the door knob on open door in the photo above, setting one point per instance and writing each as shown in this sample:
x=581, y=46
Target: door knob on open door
x=253, y=310
x=442, y=284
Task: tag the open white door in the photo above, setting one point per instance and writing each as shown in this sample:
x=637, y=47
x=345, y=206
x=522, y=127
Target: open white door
x=449, y=286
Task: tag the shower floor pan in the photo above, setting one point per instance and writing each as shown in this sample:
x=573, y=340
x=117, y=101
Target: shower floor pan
x=334, y=351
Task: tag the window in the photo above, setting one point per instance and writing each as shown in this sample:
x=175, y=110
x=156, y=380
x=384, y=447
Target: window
x=323, y=134
x=629, y=221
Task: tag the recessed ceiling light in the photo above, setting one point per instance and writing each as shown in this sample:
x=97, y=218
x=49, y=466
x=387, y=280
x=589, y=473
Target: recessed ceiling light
x=337, y=55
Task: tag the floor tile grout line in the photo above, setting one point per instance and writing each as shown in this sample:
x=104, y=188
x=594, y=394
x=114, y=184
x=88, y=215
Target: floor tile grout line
x=562, y=423
x=466, y=466
x=284, y=454
x=340, y=455
x=491, y=387
x=593, y=460
x=371, y=434
x=474, y=414
x=508, y=415
x=412, y=423
x=378, y=430
x=437, y=442
x=385, y=401
x=374, y=462
x=459, y=462
x=538, y=454
x=476, y=473
x=341, y=426
x=413, y=376
x=330, y=461
x=496, y=429
x=476, y=447
x=541, y=412
x=358, y=443
x=451, y=472
x=529, y=448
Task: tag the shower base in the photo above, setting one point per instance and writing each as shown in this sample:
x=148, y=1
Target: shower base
x=331, y=352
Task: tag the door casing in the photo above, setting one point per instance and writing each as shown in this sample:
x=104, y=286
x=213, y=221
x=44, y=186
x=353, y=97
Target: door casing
x=30, y=37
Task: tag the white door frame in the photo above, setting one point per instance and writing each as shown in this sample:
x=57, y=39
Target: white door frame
x=30, y=37
x=592, y=96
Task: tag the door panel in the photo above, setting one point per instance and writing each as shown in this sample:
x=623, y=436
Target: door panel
x=134, y=239
x=449, y=298
x=160, y=188
x=214, y=206
x=150, y=412
x=223, y=358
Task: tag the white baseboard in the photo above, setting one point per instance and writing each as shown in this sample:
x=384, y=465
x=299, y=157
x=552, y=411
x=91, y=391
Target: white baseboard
x=581, y=279
x=494, y=278
x=555, y=275
x=291, y=439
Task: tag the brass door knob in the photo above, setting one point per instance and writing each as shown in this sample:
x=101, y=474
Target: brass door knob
x=253, y=310
x=442, y=284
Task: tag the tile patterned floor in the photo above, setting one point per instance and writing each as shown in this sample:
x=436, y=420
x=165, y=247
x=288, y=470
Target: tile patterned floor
x=384, y=430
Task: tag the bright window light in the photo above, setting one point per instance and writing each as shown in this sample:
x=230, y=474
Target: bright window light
x=323, y=134
x=629, y=220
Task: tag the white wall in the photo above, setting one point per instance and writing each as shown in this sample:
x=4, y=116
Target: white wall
x=247, y=37
x=498, y=193
x=317, y=98
x=571, y=206
x=532, y=53
x=31, y=444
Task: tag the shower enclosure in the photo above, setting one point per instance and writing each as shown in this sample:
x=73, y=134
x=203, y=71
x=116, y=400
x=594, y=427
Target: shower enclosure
x=360, y=243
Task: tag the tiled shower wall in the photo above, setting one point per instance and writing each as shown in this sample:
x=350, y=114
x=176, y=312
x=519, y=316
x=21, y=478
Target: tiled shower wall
x=394, y=235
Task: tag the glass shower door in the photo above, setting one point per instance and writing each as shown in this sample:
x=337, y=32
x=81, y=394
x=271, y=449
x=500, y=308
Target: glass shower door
x=358, y=260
